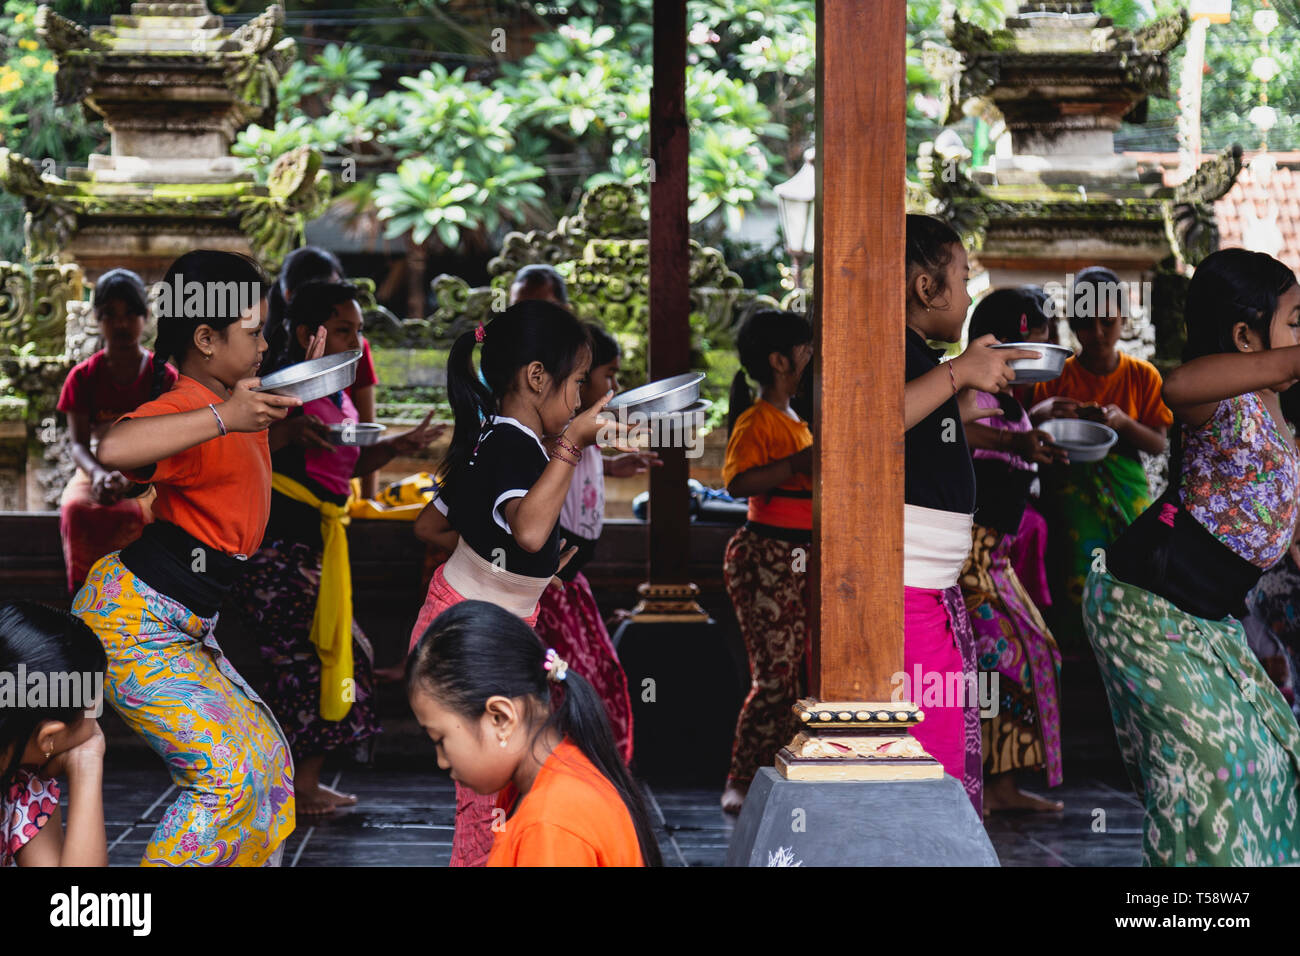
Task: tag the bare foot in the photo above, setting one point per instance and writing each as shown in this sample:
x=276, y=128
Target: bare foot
x=1004, y=795
x=321, y=800
x=733, y=798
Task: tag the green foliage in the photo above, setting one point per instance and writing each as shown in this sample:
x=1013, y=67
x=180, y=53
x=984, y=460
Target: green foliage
x=30, y=123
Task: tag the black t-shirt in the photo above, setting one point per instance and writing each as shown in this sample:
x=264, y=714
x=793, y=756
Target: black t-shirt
x=508, y=462
x=939, y=473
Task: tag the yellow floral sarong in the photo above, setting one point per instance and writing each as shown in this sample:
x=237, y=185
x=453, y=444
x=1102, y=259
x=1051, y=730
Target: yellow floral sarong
x=170, y=681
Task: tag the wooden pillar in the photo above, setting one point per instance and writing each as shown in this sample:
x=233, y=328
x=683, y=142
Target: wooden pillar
x=853, y=727
x=669, y=592
x=858, y=524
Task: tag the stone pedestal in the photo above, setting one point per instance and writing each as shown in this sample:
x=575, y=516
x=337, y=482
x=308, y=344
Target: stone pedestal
x=868, y=823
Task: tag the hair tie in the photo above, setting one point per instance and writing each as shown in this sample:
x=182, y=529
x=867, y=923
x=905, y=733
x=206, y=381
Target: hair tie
x=1024, y=324
x=479, y=333
x=556, y=668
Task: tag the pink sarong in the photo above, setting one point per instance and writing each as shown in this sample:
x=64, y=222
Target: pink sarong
x=937, y=639
x=471, y=843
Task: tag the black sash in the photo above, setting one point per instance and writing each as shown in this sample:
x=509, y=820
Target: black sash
x=173, y=562
x=1168, y=552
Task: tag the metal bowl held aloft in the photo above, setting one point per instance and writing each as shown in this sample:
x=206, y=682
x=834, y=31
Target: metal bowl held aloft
x=1046, y=367
x=1083, y=440
x=667, y=395
x=315, y=379
x=356, y=433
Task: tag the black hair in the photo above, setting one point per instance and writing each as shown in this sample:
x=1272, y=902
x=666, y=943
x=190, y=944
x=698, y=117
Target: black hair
x=539, y=274
x=313, y=304
x=762, y=333
x=1010, y=314
x=475, y=650
x=1231, y=286
x=1092, y=290
x=529, y=331
x=209, y=267
x=604, y=347
x=46, y=641
x=929, y=248
x=121, y=285
x=306, y=264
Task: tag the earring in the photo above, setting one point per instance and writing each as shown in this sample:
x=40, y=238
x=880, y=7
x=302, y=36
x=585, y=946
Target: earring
x=503, y=742
x=207, y=355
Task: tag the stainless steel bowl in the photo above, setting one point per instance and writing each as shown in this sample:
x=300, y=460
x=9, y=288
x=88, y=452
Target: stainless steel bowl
x=356, y=433
x=315, y=379
x=1046, y=367
x=1083, y=440
x=667, y=395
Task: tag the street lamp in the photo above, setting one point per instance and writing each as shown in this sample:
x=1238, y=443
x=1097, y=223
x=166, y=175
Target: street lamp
x=794, y=199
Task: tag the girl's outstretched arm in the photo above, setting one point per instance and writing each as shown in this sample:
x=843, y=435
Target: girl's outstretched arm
x=981, y=366
x=1194, y=390
x=139, y=442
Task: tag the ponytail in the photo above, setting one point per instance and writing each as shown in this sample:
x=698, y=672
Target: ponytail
x=475, y=650
x=471, y=403
x=738, y=400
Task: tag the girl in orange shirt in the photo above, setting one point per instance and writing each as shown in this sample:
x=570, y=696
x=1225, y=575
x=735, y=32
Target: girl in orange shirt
x=769, y=461
x=154, y=605
x=507, y=716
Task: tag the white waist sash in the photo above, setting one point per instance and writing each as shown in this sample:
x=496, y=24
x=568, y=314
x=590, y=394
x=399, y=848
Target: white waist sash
x=476, y=579
x=935, y=546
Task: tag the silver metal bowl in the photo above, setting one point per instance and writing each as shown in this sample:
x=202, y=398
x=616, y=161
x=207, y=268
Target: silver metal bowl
x=315, y=379
x=1083, y=440
x=667, y=395
x=356, y=433
x=1046, y=367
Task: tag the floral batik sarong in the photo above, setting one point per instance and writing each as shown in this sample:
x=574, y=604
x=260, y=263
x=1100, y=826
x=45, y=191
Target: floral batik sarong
x=569, y=620
x=277, y=599
x=169, y=680
x=1212, y=748
x=1012, y=642
x=771, y=599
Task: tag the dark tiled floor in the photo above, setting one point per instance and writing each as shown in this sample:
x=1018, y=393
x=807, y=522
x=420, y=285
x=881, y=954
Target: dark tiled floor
x=404, y=818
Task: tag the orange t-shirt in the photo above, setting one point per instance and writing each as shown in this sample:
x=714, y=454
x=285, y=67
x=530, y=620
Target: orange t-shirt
x=219, y=491
x=1134, y=386
x=572, y=816
x=762, y=434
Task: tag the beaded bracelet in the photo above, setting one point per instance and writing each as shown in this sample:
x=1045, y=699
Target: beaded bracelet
x=556, y=456
x=571, y=448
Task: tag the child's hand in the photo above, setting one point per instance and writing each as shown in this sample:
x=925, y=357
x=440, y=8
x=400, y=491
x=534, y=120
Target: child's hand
x=565, y=558
x=308, y=431
x=250, y=411
x=88, y=754
x=587, y=426
x=632, y=464
x=1116, y=418
x=316, y=347
x=1036, y=446
x=418, y=438
x=1056, y=407
x=986, y=368
x=108, y=487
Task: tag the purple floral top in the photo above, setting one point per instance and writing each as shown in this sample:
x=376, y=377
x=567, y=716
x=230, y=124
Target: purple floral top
x=1239, y=480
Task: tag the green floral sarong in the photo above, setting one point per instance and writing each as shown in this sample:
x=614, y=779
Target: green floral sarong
x=1211, y=746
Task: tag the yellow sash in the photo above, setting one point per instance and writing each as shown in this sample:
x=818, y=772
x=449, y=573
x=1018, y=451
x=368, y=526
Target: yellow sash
x=331, y=625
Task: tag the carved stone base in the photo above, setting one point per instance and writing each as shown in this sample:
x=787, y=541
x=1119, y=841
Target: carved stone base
x=857, y=740
x=668, y=603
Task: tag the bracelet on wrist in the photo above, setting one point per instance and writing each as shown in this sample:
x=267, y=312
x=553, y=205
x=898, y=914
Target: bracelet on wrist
x=568, y=446
x=558, y=456
x=221, y=426
x=952, y=375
